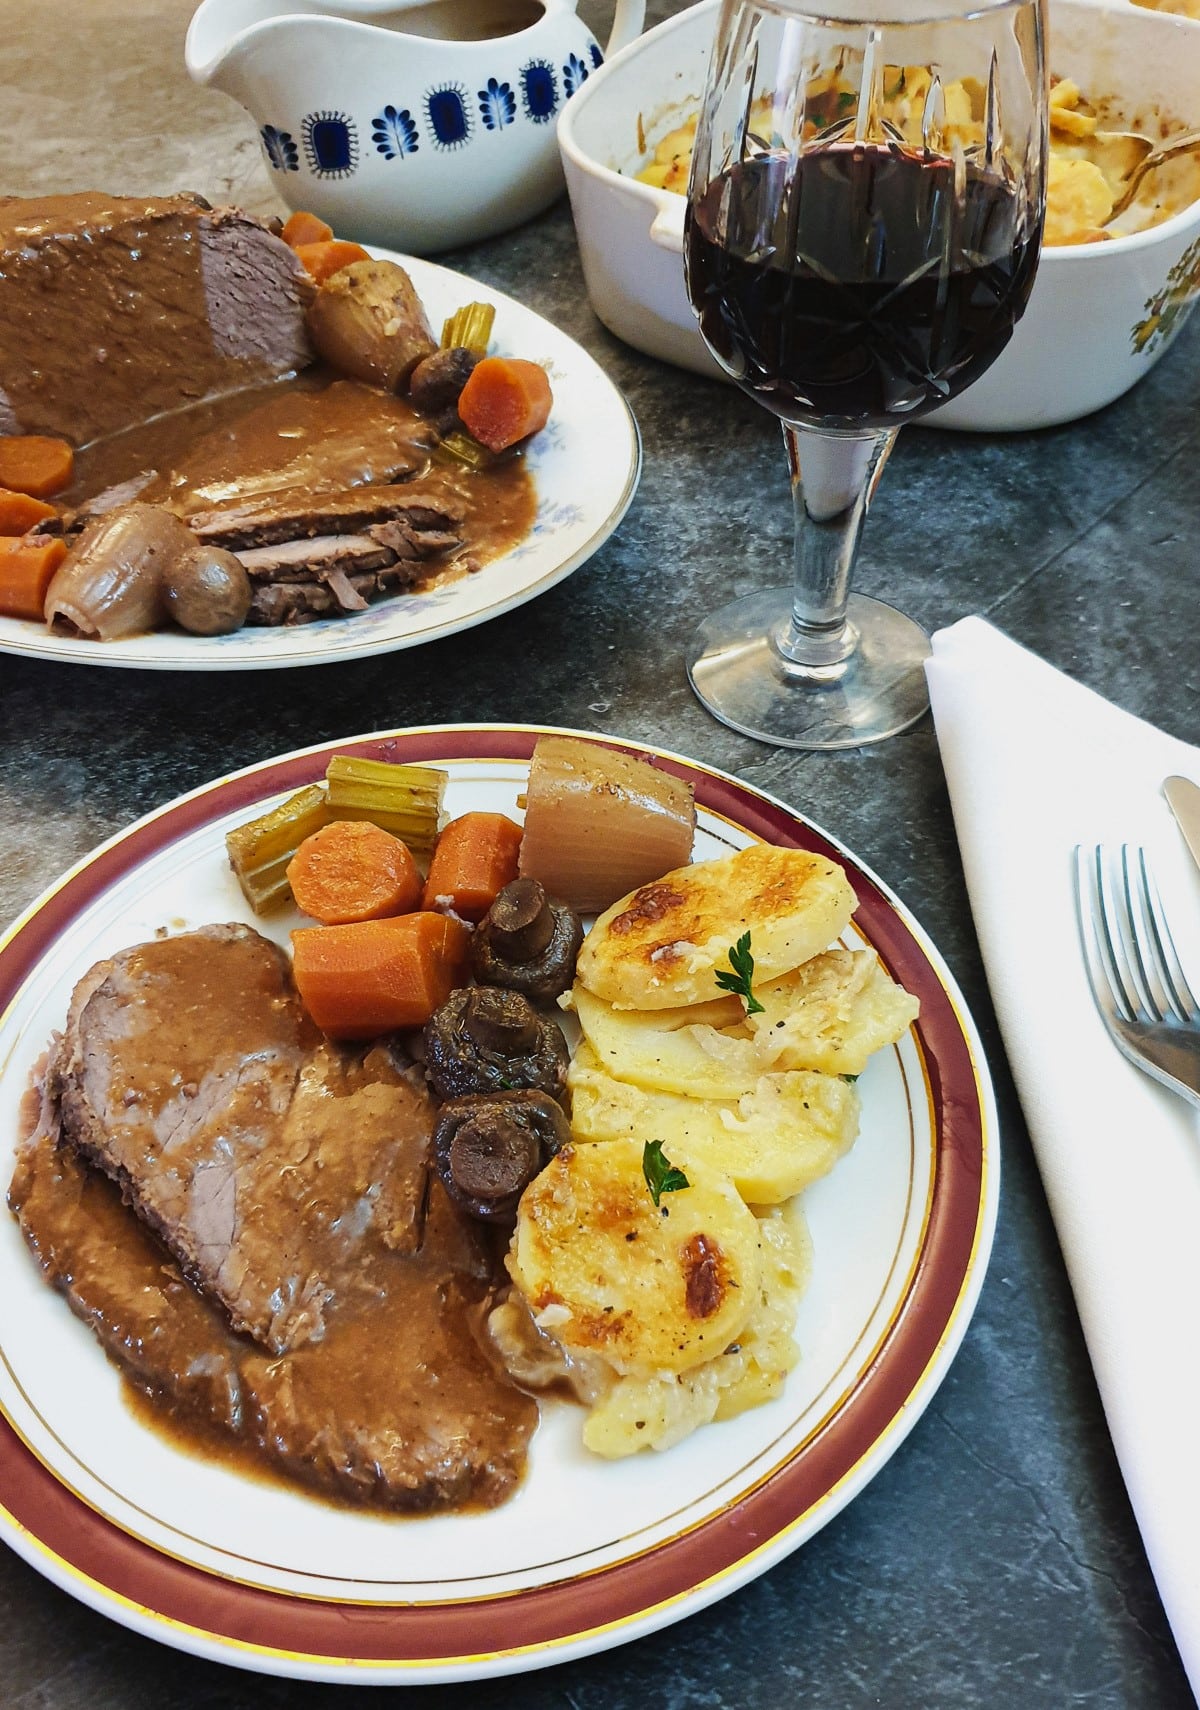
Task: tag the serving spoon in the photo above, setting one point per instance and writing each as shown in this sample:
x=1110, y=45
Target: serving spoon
x=1142, y=157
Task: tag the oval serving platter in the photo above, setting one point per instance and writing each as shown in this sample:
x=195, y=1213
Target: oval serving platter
x=588, y=1554
x=585, y=465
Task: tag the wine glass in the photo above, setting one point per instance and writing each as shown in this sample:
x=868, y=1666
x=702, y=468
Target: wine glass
x=863, y=226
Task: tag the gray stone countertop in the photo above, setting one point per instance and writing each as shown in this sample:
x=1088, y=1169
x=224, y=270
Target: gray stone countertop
x=994, y=1560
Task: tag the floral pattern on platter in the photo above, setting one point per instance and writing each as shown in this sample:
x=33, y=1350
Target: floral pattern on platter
x=1169, y=308
x=597, y=58
x=497, y=105
x=394, y=133
x=281, y=149
x=539, y=91
x=331, y=144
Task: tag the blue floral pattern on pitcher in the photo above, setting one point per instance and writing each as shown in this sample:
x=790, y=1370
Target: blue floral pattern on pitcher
x=539, y=91
x=281, y=149
x=449, y=119
x=497, y=105
x=394, y=132
x=575, y=74
x=331, y=144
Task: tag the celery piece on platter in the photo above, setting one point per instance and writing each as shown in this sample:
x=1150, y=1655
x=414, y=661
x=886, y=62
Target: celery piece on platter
x=405, y=800
x=469, y=328
x=461, y=448
x=259, y=851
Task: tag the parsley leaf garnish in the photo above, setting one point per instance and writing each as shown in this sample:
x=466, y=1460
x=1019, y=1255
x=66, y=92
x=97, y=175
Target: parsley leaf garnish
x=742, y=964
x=660, y=1173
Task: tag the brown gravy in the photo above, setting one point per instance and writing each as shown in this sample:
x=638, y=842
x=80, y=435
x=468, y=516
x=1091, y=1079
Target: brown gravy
x=312, y=430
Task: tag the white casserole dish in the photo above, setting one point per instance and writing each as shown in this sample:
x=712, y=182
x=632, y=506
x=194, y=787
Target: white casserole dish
x=1099, y=316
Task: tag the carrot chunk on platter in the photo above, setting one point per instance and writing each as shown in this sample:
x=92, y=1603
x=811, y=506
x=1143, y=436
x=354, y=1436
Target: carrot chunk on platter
x=352, y=870
x=19, y=513
x=475, y=857
x=505, y=400
x=26, y=572
x=323, y=260
x=35, y=464
x=303, y=227
x=373, y=976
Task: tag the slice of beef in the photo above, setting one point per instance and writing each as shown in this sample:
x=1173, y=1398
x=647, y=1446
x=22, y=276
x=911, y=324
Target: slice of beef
x=300, y=560
x=302, y=511
x=261, y=1155
x=396, y=1406
x=295, y=602
x=115, y=309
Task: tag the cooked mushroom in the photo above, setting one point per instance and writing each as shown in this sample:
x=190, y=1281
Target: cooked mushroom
x=207, y=591
x=527, y=943
x=488, y=1149
x=436, y=383
x=486, y=1040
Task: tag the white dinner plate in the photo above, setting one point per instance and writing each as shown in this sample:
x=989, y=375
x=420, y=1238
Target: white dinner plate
x=588, y=1553
x=585, y=465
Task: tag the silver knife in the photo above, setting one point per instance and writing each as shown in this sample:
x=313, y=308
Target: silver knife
x=1184, y=799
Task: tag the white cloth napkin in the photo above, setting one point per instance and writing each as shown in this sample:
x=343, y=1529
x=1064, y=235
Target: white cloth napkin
x=1036, y=763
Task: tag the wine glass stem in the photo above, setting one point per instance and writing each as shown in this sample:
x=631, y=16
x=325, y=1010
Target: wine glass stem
x=833, y=480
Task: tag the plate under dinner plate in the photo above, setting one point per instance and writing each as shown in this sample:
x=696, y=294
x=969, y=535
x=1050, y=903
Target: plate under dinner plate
x=585, y=464
x=588, y=1553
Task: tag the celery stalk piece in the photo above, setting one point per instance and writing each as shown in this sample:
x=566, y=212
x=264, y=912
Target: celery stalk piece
x=405, y=800
x=469, y=328
x=461, y=448
x=260, y=850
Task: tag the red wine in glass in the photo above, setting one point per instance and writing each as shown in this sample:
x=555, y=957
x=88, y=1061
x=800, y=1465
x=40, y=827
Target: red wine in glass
x=858, y=287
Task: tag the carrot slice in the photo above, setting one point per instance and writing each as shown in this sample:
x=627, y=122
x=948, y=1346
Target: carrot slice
x=302, y=227
x=353, y=870
x=26, y=572
x=475, y=857
x=33, y=463
x=505, y=400
x=323, y=260
x=18, y=512
x=374, y=976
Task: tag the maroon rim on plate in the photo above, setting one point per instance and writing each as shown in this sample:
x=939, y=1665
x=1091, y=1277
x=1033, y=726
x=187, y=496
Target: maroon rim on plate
x=172, y=1600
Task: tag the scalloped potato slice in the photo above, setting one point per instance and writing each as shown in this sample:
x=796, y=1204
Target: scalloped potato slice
x=661, y=946
x=648, y=1288
x=831, y=1014
x=652, y=1051
x=657, y=1412
x=782, y=1133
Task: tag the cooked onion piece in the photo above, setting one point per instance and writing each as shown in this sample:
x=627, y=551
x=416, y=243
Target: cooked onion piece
x=598, y=822
x=110, y=583
x=367, y=321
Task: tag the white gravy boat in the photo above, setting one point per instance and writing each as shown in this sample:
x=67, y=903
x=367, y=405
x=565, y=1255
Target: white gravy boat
x=417, y=124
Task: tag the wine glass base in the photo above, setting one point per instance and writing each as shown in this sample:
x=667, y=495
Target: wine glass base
x=739, y=673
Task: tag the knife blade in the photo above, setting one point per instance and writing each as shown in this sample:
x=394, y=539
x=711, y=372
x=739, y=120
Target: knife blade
x=1183, y=797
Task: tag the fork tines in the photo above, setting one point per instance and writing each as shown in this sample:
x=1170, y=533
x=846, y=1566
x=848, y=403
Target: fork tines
x=1137, y=954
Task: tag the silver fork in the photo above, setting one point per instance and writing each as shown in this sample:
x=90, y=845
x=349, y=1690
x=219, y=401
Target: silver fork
x=1139, y=986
